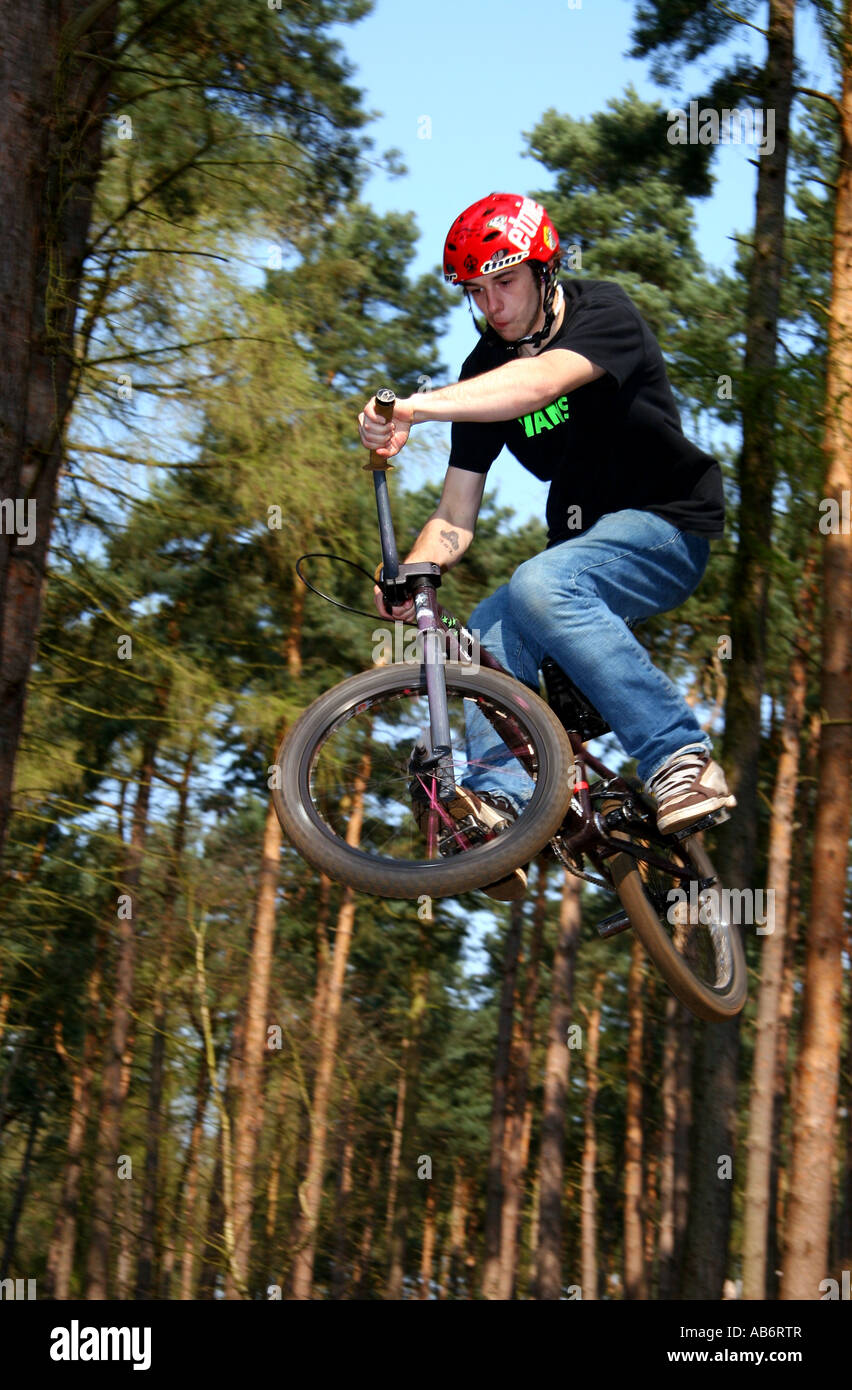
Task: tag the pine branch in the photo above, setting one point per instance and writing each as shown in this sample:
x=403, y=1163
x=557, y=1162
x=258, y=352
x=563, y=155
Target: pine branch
x=162, y=183
x=84, y=22
x=186, y=347
x=821, y=96
x=740, y=19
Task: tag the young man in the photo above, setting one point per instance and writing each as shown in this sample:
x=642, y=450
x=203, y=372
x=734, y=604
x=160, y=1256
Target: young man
x=570, y=378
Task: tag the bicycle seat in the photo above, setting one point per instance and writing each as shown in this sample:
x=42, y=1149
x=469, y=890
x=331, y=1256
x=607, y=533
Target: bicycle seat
x=571, y=706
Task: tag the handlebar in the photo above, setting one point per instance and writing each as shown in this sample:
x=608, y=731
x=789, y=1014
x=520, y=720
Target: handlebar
x=393, y=578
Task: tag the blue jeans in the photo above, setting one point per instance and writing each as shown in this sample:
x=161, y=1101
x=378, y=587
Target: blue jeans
x=570, y=603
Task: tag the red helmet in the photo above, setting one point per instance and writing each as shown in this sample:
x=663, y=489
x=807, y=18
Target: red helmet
x=495, y=233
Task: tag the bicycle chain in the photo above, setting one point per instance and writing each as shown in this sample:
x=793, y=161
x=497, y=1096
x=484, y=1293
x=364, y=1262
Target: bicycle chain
x=571, y=866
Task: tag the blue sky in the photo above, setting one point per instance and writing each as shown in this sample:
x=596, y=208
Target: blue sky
x=473, y=76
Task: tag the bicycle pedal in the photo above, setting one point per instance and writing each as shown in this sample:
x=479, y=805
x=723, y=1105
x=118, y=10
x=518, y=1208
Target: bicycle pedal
x=473, y=831
x=612, y=925
x=628, y=813
x=715, y=818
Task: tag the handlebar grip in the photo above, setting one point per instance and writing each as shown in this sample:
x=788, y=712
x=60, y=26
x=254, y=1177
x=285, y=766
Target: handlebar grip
x=385, y=402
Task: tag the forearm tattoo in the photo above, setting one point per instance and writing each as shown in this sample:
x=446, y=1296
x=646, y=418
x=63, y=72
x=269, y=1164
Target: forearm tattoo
x=451, y=540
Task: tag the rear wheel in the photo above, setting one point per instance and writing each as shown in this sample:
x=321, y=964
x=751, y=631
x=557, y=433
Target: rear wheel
x=684, y=924
x=344, y=773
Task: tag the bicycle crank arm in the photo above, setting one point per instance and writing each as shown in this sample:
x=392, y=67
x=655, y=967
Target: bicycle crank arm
x=612, y=925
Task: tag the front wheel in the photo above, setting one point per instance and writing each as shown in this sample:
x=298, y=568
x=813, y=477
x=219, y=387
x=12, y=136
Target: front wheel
x=344, y=772
x=685, y=926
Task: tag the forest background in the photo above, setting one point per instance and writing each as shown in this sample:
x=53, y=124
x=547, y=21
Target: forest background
x=222, y=1075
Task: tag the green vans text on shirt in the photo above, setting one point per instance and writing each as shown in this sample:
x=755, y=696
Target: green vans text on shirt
x=555, y=414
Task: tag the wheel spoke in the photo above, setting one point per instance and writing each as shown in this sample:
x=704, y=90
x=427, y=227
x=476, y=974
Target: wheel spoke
x=390, y=725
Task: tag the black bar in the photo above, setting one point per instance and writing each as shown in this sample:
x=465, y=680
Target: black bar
x=390, y=557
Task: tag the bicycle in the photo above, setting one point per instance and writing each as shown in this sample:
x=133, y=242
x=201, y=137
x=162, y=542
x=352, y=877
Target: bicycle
x=343, y=793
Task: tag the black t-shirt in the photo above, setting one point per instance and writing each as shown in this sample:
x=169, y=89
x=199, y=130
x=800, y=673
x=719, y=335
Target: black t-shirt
x=614, y=443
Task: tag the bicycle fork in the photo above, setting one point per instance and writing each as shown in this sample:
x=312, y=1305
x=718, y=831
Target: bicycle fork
x=426, y=577
x=431, y=633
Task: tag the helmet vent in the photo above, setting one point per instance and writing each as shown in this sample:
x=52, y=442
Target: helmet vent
x=451, y=246
x=489, y=236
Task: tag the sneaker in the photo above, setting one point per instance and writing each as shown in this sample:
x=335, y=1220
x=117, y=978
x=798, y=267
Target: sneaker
x=492, y=813
x=688, y=787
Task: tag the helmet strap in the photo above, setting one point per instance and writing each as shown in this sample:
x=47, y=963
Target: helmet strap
x=546, y=277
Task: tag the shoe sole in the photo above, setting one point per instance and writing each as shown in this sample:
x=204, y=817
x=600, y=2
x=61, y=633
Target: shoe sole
x=463, y=805
x=508, y=890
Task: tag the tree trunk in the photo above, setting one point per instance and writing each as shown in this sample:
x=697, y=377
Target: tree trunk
x=20, y=1193
x=282, y=1105
x=781, y=1107
x=535, y=1220
x=149, y=1255
x=361, y=1267
x=494, y=1191
x=60, y=1258
x=716, y=1091
x=756, y=465
x=683, y=1128
x=650, y=1140
x=311, y=1190
x=250, y=1100
x=53, y=94
x=674, y=1174
x=398, y=1233
x=527, y=1250
x=785, y=1063
x=452, y=1265
x=323, y=958
x=109, y=1128
x=634, y=1262
x=514, y=1165
x=344, y=1198
x=843, y=1229
x=126, y=1216
x=396, y=1141
x=213, y=1244
x=760, y=1135
x=126, y=1220
x=188, y=1188
x=650, y=1215
x=428, y=1252
x=250, y=1107
x=809, y=1218
x=588, y=1196
x=8, y=1074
